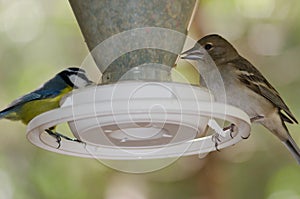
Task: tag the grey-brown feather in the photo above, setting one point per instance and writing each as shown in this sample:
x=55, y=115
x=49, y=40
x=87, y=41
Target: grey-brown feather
x=260, y=99
x=257, y=83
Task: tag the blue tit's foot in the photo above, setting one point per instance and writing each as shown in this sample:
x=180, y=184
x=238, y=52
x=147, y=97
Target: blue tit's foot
x=216, y=139
x=59, y=136
x=230, y=128
x=55, y=135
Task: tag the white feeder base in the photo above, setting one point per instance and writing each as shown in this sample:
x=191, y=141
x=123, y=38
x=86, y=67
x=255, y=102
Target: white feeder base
x=139, y=120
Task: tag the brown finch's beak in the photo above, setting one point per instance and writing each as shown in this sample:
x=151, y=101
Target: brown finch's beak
x=195, y=53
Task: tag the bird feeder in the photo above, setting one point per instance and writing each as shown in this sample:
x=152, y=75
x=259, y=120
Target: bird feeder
x=138, y=112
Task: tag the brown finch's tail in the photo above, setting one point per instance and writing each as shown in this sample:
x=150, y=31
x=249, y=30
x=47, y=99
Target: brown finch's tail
x=293, y=148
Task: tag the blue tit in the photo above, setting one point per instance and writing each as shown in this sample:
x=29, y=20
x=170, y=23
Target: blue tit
x=46, y=98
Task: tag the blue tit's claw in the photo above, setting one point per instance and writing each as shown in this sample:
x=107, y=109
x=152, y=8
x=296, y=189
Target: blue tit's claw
x=58, y=140
x=58, y=137
x=55, y=135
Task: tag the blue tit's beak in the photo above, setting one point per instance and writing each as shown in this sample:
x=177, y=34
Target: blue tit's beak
x=89, y=83
x=195, y=53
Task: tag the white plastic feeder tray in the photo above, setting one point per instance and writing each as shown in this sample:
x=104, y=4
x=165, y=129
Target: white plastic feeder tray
x=139, y=120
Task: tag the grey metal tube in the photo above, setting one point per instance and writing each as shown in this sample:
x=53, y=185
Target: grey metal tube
x=101, y=19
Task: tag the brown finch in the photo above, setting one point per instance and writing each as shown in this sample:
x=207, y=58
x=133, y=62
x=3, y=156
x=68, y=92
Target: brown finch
x=246, y=88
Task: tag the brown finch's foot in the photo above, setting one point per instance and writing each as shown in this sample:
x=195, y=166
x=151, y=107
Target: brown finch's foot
x=256, y=118
x=215, y=138
x=231, y=128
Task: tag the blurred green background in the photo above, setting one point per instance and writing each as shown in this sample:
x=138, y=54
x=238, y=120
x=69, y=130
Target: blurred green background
x=39, y=38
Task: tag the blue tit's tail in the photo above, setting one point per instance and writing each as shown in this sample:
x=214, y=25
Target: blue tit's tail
x=6, y=112
x=3, y=113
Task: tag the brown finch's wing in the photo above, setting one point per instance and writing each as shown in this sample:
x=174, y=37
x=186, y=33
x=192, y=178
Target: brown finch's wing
x=254, y=80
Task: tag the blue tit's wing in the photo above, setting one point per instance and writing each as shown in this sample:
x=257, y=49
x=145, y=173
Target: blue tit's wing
x=35, y=95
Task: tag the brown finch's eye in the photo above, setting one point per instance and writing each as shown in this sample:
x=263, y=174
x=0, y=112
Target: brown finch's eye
x=208, y=46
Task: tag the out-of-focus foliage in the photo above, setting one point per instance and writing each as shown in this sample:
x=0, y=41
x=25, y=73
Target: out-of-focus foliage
x=38, y=38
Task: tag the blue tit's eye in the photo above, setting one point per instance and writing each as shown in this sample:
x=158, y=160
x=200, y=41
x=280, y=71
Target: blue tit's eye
x=208, y=46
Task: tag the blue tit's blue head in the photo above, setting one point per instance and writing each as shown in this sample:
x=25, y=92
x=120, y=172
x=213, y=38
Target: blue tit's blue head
x=73, y=77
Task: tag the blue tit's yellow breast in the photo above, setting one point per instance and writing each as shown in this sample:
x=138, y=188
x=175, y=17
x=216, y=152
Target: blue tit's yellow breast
x=33, y=108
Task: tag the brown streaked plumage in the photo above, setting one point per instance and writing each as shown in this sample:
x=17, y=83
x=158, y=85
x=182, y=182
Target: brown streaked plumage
x=247, y=88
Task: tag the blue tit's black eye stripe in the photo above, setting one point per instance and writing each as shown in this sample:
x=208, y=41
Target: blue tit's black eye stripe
x=74, y=70
x=83, y=76
x=69, y=76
